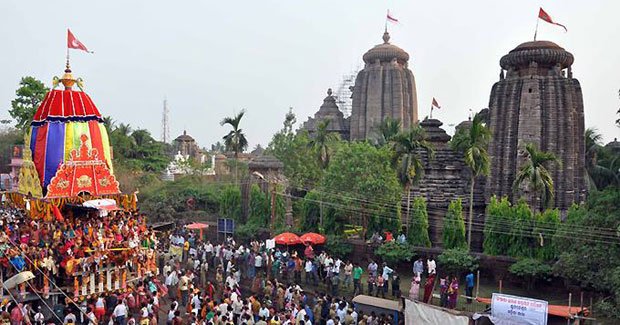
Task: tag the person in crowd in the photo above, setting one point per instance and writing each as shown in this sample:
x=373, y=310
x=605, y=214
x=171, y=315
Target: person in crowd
x=453, y=292
x=469, y=288
x=414, y=292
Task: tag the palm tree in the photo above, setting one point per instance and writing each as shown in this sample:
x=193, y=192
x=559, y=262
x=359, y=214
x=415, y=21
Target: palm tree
x=388, y=129
x=535, y=174
x=235, y=139
x=109, y=123
x=407, y=146
x=473, y=142
x=321, y=142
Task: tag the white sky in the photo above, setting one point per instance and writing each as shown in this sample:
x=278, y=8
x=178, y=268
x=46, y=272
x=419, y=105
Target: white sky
x=213, y=58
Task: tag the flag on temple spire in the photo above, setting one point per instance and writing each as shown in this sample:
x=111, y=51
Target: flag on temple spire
x=74, y=43
x=391, y=18
x=545, y=16
x=435, y=103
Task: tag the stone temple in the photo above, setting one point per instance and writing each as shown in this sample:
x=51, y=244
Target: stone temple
x=537, y=101
x=384, y=88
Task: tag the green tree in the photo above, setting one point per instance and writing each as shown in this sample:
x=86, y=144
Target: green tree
x=230, y=202
x=535, y=174
x=388, y=129
x=530, y=270
x=602, y=164
x=454, y=227
x=473, y=143
x=260, y=207
x=8, y=138
x=361, y=183
x=321, y=143
x=407, y=147
x=29, y=96
x=418, y=224
x=456, y=261
x=521, y=240
x=293, y=151
x=498, y=214
x=545, y=228
x=589, y=248
x=235, y=140
x=310, y=212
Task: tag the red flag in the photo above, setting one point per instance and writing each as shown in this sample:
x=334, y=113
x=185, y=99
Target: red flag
x=545, y=16
x=435, y=103
x=391, y=19
x=74, y=43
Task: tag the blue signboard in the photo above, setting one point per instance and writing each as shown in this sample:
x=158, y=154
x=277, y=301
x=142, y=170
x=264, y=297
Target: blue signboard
x=225, y=226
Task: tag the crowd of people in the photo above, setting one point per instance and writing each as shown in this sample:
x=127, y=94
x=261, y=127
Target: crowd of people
x=187, y=280
x=82, y=256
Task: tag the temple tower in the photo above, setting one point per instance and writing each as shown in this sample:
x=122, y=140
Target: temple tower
x=537, y=101
x=384, y=88
x=328, y=112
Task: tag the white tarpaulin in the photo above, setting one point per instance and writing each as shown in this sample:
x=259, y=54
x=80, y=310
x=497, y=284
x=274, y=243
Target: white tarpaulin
x=421, y=313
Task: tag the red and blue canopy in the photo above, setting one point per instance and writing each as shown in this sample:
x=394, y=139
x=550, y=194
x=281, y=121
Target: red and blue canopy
x=61, y=119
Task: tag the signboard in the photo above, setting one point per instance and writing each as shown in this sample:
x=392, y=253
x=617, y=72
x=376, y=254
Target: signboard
x=225, y=226
x=519, y=310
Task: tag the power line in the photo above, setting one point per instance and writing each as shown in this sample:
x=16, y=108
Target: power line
x=382, y=215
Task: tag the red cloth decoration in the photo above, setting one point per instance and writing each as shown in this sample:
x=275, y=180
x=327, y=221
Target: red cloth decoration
x=63, y=105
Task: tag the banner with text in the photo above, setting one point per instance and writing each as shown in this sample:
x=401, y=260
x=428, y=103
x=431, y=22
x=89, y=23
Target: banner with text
x=519, y=310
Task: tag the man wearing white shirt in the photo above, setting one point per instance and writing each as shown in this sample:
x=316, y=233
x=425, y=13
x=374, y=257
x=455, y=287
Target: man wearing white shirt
x=431, y=265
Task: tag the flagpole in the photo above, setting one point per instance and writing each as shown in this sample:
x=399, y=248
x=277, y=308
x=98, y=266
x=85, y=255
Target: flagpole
x=536, y=30
x=386, y=19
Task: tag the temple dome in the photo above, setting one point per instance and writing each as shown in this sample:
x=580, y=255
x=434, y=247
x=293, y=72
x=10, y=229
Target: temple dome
x=544, y=53
x=386, y=52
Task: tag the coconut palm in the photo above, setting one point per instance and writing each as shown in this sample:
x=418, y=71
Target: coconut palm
x=388, y=129
x=321, y=143
x=473, y=142
x=536, y=175
x=407, y=146
x=235, y=140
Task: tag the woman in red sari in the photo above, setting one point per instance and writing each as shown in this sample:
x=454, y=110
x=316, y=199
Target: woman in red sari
x=428, y=288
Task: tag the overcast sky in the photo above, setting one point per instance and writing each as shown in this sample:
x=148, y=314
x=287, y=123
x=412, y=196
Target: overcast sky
x=210, y=59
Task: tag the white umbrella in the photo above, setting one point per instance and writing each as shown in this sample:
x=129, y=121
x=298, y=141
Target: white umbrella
x=103, y=205
x=17, y=279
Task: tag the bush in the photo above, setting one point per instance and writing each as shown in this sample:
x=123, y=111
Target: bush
x=456, y=261
x=338, y=247
x=454, y=227
x=230, y=203
x=417, y=233
x=260, y=207
x=530, y=270
x=394, y=252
